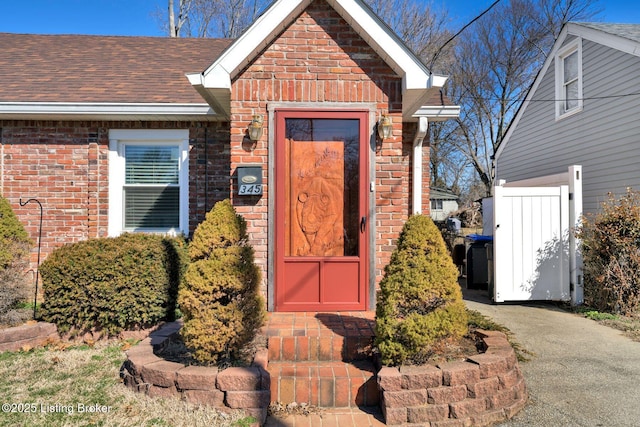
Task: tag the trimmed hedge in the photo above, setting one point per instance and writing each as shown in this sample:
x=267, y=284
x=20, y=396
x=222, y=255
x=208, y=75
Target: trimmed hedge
x=14, y=240
x=420, y=302
x=219, y=296
x=113, y=284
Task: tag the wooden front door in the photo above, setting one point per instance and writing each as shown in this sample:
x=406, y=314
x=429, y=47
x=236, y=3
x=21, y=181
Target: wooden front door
x=321, y=210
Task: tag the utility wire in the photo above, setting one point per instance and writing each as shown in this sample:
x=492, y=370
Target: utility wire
x=624, y=95
x=435, y=56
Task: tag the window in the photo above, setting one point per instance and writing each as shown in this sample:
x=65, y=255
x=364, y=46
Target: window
x=436, y=204
x=569, y=79
x=148, y=181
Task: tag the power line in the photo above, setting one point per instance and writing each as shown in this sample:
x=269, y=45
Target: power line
x=590, y=98
x=435, y=56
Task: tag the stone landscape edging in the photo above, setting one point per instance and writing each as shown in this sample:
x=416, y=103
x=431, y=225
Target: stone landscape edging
x=28, y=336
x=480, y=391
x=246, y=388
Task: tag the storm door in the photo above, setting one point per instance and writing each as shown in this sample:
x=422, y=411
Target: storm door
x=321, y=210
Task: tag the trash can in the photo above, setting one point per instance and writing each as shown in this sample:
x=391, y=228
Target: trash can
x=477, y=261
x=491, y=276
x=454, y=225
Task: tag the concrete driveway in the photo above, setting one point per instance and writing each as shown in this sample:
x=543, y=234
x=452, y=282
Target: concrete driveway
x=581, y=373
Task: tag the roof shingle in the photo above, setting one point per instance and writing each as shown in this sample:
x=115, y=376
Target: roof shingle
x=628, y=31
x=102, y=69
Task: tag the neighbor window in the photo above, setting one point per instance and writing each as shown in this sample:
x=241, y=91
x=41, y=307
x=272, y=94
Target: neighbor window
x=148, y=181
x=569, y=79
x=436, y=204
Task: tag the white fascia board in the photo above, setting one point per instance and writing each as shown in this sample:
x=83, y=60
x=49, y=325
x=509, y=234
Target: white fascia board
x=606, y=39
x=218, y=98
x=251, y=42
x=438, y=112
x=417, y=80
x=415, y=100
x=106, y=110
x=218, y=76
x=386, y=44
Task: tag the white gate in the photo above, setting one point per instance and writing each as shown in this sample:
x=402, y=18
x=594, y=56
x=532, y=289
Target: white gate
x=534, y=248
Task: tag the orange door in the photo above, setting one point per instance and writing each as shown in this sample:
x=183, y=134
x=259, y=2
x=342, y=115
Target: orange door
x=321, y=210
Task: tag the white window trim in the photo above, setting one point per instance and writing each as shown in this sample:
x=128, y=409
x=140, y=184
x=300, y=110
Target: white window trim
x=436, y=203
x=118, y=138
x=574, y=46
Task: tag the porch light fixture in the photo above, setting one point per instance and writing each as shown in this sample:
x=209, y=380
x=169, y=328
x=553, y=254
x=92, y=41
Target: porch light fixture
x=255, y=127
x=385, y=127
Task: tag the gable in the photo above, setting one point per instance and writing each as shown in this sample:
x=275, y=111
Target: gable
x=418, y=84
x=620, y=42
x=602, y=137
x=317, y=58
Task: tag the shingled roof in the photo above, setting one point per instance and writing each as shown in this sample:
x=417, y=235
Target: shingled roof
x=628, y=31
x=102, y=69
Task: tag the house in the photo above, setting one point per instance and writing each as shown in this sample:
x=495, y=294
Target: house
x=582, y=109
x=443, y=202
x=313, y=122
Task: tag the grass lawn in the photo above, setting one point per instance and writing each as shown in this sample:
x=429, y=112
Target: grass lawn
x=80, y=386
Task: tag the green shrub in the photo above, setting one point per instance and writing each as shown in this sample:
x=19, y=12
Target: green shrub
x=113, y=284
x=14, y=240
x=610, y=244
x=15, y=245
x=420, y=302
x=219, y=295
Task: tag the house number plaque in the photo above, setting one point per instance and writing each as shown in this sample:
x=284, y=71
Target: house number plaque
x=249, y=180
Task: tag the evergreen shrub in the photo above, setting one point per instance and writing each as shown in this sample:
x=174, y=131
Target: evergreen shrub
x=420, y=302
x=15, y=245
x=610, y=244
x=113, y=284
x=219, y=295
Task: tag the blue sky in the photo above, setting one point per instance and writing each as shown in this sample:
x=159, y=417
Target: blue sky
x=137, y=17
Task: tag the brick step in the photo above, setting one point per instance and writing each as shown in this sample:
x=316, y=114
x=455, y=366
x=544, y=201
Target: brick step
x=324, y=384
x=330, y=348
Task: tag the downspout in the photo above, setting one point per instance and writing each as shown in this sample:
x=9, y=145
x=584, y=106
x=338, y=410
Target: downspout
x=423, y=126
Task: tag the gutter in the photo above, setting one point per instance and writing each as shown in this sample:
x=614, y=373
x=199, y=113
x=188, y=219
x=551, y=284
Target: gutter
x=106, y=111
x=423, y=126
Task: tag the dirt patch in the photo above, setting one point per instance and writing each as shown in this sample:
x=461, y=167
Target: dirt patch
x=278, y=409
x=451, y=350
x=174, y=350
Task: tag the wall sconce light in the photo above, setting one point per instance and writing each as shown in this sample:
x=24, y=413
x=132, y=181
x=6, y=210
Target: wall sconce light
x=255, y=127
x=385, y=127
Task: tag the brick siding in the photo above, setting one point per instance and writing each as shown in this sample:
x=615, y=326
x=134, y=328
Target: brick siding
x=65, y=166
x=319, y=58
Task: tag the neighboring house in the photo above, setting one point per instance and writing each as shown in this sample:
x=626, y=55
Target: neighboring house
x=128, y=134
x=583, y=109
x=443, y=202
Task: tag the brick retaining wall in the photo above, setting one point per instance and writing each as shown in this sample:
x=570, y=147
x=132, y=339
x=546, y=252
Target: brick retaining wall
x=244, y=388
x=482, y=390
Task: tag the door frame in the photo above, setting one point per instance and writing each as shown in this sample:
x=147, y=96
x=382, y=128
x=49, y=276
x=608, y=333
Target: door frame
x=369, y=160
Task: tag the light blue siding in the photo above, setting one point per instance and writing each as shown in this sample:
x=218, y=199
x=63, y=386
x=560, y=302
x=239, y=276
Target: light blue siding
x=604, y=138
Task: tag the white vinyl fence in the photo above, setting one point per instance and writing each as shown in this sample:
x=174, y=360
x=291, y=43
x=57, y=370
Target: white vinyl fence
x=535, y=253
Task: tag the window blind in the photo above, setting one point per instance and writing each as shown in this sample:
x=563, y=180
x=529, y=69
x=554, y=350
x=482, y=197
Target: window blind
x=151, y=190
x=151, y=164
